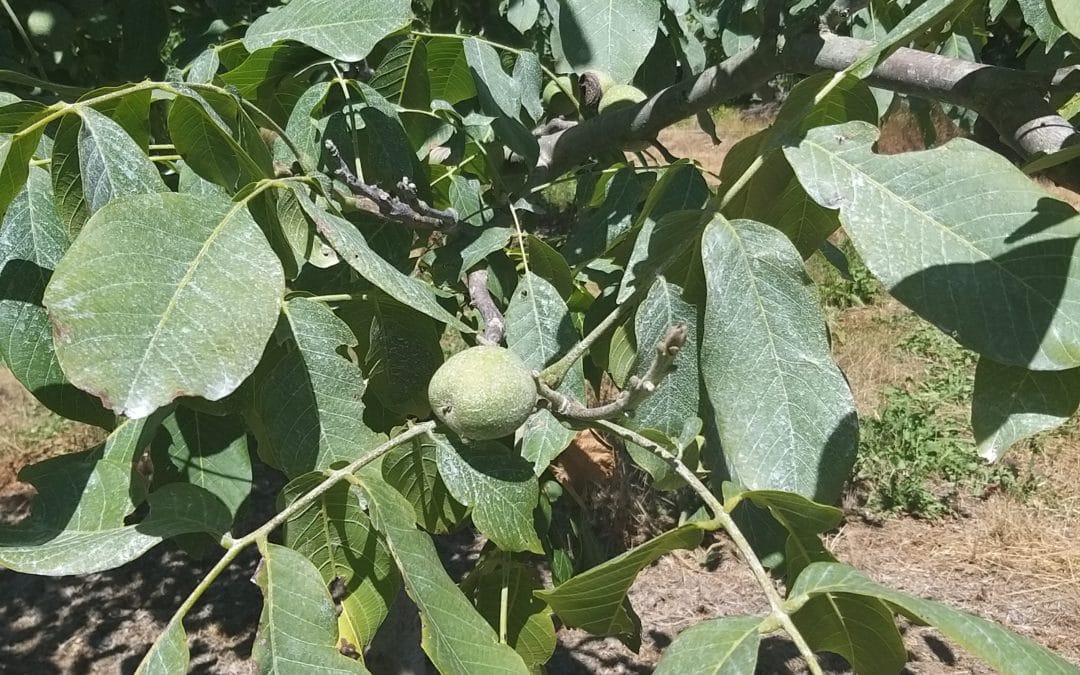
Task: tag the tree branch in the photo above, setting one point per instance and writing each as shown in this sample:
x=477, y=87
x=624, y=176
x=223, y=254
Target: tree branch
x=1012, y=101
x=638, y=388
x=404, y=207
x=480, y=296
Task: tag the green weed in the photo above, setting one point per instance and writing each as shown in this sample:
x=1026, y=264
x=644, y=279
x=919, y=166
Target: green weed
x=838, y=291
x=917, y=456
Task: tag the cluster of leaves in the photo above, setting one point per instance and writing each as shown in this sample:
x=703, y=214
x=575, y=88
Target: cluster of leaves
x=72, y=42
x=263, y=253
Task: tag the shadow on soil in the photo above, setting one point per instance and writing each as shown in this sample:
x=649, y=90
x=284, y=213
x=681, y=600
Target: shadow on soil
x=105, y=622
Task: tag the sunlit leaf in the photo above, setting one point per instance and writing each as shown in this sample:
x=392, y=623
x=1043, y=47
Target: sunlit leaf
x=961, y=236
x=612, y=37
x=112, y=164
x=346, y=31
x=143, y=305
x=725, y=646
x=783, y=409
x=297, y=629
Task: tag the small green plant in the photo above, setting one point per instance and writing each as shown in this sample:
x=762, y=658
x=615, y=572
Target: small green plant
x=855, y=287
x=916, y=456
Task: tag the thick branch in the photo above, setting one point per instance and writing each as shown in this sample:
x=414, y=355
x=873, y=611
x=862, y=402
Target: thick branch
x=404, y=208
x=737, y=75
x=1012, y=101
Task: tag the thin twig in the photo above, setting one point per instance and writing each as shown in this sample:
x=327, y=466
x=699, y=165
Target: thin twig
x=233, y=547
x=411, y=210
x=637, y=390
x=480, y=296
x=723, y=520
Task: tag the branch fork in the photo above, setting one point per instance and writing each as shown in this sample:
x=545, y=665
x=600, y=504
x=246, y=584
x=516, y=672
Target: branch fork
x=637, y=388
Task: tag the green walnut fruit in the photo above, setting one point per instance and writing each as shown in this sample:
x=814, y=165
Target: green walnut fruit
x=483, y=393
x=50, y=24
x=619, y=96
x=552, y=490
x=557, y=96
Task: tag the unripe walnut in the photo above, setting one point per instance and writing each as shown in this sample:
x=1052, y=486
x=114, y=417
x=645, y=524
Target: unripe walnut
x=483, y=393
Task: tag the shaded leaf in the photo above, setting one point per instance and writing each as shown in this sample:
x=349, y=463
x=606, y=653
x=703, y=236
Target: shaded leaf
x=32, y=241
x=455, y=636
x=207, y=451
x=354, y=250
x=726, y=646
x=1011, y=404
x=77, y=525
x=448, y=70
x=413, y=471
x=1002, y=649
x=403, y=353
x=596, y=599
x=529, y=628
x=186, y=262
x=308, y=402
x=499, y=486
x=336, y=535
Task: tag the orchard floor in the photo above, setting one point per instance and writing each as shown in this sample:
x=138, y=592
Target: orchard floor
x=1016, y=562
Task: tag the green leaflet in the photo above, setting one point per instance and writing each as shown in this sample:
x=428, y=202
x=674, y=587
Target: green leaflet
x=783, y=409
x=499, y=486
x=187, y=338
x=77, y=525
x=1002, y=278
x=607, y=36
x=1012, y=403
x=297, y=629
